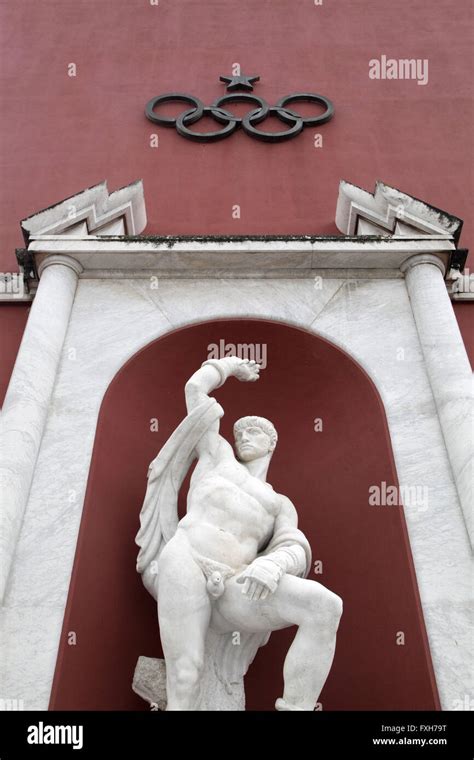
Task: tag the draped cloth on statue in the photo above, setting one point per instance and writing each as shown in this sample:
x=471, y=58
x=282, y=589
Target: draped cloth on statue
x=159, y=521
x=159, y=513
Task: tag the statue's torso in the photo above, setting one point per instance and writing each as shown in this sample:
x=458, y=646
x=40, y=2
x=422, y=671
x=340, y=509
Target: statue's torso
x=230, y=514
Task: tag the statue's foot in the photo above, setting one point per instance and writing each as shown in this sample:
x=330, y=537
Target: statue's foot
x=282, y=705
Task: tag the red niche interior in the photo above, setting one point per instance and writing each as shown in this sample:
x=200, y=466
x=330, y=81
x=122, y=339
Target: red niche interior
x=363, y=549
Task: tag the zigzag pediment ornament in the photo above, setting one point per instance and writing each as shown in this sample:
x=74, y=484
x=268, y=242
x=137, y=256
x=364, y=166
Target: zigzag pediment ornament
x=239, y=90
x=388, y=211
x=94, y=212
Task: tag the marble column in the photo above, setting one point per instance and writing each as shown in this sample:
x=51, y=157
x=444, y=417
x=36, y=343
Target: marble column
x=29, y=392
x=448, y=369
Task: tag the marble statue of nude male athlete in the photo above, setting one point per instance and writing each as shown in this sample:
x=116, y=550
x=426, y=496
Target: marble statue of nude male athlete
x=236, y=561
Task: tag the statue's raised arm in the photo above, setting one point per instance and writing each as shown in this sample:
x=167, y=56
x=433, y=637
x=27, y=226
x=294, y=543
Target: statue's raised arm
x=212, y=375
x=197, y=433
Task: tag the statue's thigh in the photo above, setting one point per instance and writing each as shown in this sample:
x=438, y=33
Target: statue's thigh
x=234, y=611
x=183, y=603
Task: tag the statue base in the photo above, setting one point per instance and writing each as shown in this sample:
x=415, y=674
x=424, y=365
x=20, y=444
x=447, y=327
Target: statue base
x=149, y=681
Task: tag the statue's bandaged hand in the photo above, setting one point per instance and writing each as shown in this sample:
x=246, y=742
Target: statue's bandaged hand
x=262, y=572
x=263, y=575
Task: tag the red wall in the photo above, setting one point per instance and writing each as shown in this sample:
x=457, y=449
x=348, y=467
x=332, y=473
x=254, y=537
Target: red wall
x=13, y=317
x=64, y=134
x=465, y=316
x=364, y=549
x=60, y=135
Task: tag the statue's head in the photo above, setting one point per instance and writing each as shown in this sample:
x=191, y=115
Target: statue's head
x=255, y=437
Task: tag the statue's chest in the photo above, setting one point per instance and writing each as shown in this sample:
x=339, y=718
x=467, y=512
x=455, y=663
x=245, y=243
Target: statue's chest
x=261, y=492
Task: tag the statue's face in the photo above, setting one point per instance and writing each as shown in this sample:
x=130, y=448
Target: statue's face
x=252, y=443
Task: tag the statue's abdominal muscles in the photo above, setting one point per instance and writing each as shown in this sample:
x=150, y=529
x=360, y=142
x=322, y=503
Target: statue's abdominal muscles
x=227, y=523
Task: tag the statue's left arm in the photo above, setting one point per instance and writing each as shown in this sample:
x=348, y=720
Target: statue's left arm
x=263, y=575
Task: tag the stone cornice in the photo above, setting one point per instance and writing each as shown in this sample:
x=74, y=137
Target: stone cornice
x=117, y=256
x=101, y=233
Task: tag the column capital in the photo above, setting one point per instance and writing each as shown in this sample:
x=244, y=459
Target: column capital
x=65, y=261
x=422, y=258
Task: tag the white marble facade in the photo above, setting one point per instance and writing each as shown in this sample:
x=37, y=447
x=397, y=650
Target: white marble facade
x=111, y=319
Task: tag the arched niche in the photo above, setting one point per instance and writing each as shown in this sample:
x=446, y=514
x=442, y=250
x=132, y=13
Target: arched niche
x=363, y=549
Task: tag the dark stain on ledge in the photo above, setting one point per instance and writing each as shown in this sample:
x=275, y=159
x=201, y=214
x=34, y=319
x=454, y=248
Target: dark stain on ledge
x=171, y=240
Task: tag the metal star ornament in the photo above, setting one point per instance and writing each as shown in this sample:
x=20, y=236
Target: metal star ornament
x=239, y=83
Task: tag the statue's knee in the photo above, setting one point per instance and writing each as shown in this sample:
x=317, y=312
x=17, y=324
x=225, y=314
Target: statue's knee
x=187, y=671
x=326, y=610
x=332, y=611
x=337, y=608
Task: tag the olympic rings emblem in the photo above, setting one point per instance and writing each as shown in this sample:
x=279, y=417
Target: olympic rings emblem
x=259, y=112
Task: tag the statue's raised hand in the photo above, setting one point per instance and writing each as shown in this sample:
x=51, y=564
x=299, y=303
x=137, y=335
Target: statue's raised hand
x=247, y=370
